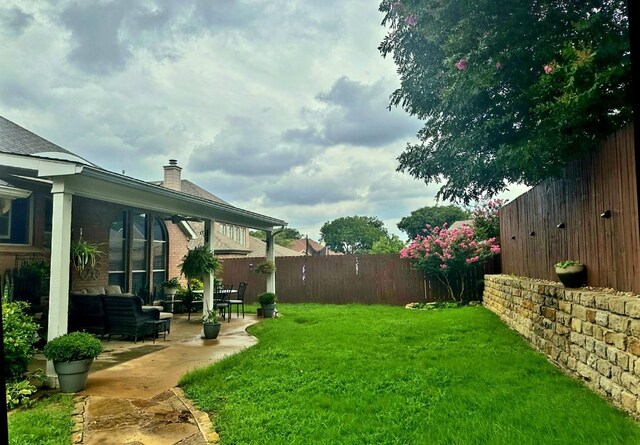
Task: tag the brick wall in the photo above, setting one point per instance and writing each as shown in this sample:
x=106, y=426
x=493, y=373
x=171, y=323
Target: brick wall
x=593, y=335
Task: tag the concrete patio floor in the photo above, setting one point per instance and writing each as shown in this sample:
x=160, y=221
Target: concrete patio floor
x=131, y=395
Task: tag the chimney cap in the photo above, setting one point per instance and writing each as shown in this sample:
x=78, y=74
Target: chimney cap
x=173, y=162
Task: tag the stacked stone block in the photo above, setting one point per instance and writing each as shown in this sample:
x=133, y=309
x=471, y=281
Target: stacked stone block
x=593, y=335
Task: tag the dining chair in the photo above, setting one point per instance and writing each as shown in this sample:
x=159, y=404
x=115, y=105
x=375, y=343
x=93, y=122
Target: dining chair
x=221, y=299
x=238, y=299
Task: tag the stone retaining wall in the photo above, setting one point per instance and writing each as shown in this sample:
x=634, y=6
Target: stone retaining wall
x=592, y=335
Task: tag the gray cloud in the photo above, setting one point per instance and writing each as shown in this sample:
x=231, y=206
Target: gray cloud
x=358, y=115
x=247, y=147
x=96, y=30
x=14, y=21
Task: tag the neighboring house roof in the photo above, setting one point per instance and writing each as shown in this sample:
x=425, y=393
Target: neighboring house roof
x=459, y=224
x=190, y=188
x=224, y=244
x=17, y=140
x=259, y=248
x=300, y=245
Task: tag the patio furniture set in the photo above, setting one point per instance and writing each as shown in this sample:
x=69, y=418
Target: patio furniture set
x=106, y=311
x=224, y=298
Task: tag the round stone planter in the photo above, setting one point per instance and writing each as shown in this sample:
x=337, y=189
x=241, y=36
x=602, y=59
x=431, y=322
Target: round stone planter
x=572, y=276
x=268, y=310
x=72, y=376
x=211, y=330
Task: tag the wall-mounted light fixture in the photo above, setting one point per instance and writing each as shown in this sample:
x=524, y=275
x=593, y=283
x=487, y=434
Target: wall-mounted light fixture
x=513, y=237
x=560, y=226
x=532, y=234
x=606, y=214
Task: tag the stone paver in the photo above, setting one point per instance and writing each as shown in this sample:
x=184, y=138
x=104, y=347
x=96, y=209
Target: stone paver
x=136, y=401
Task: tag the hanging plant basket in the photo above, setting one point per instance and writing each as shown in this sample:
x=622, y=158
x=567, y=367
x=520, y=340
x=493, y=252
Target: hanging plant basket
x=266, y=267
x=84, y=255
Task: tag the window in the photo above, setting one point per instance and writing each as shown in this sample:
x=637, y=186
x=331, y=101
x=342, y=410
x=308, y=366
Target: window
x=137, y=249
x=15, y=221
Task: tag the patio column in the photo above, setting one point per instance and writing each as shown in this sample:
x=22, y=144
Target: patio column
x=59, y=275
x=271, y=256
x=208, y=281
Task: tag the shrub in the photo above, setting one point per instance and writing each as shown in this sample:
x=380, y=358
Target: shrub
x=172, y=283
x=486, y=219
x=73, y=346
x=19, y=393
x=267, y=298
x=19, y=331
x=447, y=254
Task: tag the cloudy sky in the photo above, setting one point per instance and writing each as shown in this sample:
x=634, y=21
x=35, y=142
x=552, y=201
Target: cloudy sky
x=275, y=106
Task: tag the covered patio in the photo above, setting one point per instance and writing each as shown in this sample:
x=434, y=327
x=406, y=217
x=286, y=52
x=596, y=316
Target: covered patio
x=75, y=181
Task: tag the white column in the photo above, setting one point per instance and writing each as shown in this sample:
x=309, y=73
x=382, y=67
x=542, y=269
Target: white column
x=271, y=256
x=60, y=263
x=208, y=281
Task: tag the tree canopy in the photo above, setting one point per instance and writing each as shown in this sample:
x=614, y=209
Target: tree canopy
x=509, y=92
x=415, y=223
x=284, y=238
x=387, y=244
x=352, y=234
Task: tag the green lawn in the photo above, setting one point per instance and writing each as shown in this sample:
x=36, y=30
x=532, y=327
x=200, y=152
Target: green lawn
x=385, y=375
x=48, y=422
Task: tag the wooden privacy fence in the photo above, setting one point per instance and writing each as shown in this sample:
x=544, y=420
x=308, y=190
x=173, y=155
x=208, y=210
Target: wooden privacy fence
x=590, y=214
x=365, y=279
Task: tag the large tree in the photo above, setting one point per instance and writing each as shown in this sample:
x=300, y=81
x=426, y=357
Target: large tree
x=352, y=234
x=509, y=91
x=415, y=223
x=284, y=237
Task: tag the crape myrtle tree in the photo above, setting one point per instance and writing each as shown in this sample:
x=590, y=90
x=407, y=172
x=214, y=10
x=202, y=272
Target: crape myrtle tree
x=415, y=223
x=509, y=91
x=352, y=234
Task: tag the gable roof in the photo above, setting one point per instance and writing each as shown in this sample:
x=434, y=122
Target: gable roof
x=192, y=189
x=17, y=140
x=300, y=245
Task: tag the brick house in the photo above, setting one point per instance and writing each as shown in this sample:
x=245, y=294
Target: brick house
x=50, y=197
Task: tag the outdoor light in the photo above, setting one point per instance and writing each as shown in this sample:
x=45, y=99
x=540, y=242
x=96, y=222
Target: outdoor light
x=513, y=237
x=532, y=234
x=560, y=226
x=606, y=214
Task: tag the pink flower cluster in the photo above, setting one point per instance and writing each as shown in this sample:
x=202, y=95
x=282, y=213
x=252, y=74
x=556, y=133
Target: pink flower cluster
x=441, y=250
x=462, y=64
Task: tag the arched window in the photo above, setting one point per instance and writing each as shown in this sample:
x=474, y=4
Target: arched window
x=137, y=251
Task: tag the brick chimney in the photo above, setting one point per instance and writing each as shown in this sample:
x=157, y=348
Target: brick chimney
x=172, y=178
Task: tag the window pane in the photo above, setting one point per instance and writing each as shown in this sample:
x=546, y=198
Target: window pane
x=158, y=278
x=117, y=242
x=117, y=278
x=139, y=255
x=139, y=226
x=139, y=282
x=158, y=230
x=158, y=254
x=16, y=223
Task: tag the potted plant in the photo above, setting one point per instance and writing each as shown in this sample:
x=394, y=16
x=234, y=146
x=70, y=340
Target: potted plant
x=267, y=301
x=571, y=273
x=196, y=264
x=84, y=255
x=171, y=286
x=266, y=267
x=72, y=355
x=211, y=325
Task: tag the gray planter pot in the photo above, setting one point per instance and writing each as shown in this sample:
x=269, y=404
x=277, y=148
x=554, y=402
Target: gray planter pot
x=72, y=376
x=268, y=310
x=211, y=330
